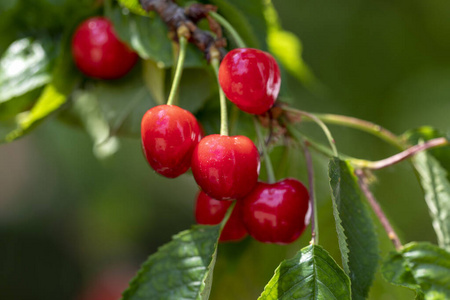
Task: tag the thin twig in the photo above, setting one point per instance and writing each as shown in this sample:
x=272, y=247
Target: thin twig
x=377, y=209
x=312, y=197
x=362, y=125
x=380, y=164
x=319, y=122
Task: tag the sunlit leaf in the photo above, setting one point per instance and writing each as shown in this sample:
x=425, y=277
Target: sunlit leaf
x=181, y=269
x=24, y=67
x=356, y=231
x=311, y=274
x=286, y=46
x=421, y=267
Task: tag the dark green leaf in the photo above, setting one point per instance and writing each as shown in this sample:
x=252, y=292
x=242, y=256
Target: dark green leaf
x=196, y=87
x=422, y=267
x=247, y=17
x=181, y=269
x=311, y=274
x=356, y=231
x=24, y=67
x=149, y=36
x=434, y=181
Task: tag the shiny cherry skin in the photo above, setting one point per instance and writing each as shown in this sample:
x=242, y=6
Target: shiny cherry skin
x=226, y=167
x=169, y=135
x=275, y=213
x=209, y=211
x=98, y=52
x=250, y=78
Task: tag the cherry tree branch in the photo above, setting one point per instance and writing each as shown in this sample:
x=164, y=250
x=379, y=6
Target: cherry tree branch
x=377, y=209
x=175, y=17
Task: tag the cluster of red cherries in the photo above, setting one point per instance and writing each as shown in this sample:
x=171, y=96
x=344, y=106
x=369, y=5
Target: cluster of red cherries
x=225, y=167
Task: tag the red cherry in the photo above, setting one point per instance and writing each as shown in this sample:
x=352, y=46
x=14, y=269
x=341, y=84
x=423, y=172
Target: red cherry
x=98, y=52
x=226, y=167
x=275, y=213
x=169, y=135
x=250, y=78
x=209, y=211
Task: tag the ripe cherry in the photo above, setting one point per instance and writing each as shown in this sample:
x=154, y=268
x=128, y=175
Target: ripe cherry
x=209, y=211
x=226, y=167
x=169, y=135
x=250, y=78
x=98, y=52
x=275, y=213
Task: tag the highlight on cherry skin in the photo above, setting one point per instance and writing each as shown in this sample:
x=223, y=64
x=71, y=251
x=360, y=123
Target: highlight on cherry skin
x=169, y=135
x=250, y=78
x=226, y=167
x=98, y=52
x=276, y=213
x=209, y=211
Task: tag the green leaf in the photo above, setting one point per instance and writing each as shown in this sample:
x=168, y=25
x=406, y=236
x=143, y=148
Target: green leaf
x=123, y=103
x=421, y=267
x=287, y=47
x=88, y=109
x=356, y=231
x=434, y=181
x=49, y=101
x=181, y=269
x=24, y=67
x=311, y=274
x=149, y=36
x=425, y=133
x=247, y=17
x=53, y=96
x=134, y=6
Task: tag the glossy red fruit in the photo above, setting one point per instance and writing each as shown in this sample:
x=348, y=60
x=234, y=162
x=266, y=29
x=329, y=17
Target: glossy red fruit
x=98, y=52
x=169, y=135
x=209, y=211
x=250, y=78
x=226, y=167
x=275, y=213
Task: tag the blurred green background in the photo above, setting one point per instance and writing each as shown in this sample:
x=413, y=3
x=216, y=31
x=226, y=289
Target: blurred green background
x=74, y=227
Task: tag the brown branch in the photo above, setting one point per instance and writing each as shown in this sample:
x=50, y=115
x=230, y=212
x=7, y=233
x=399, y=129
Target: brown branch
x=377, y=209
x=175, y=17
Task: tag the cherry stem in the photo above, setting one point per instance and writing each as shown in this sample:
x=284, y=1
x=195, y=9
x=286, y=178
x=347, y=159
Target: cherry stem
x=222, y=21
x=269, y=168
x=362, y=181
x=380, y=164
x=312, y=197
x=363, y=125
x=178, y=71
x=223, y=100
x=322, y=125
x=227, y=215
